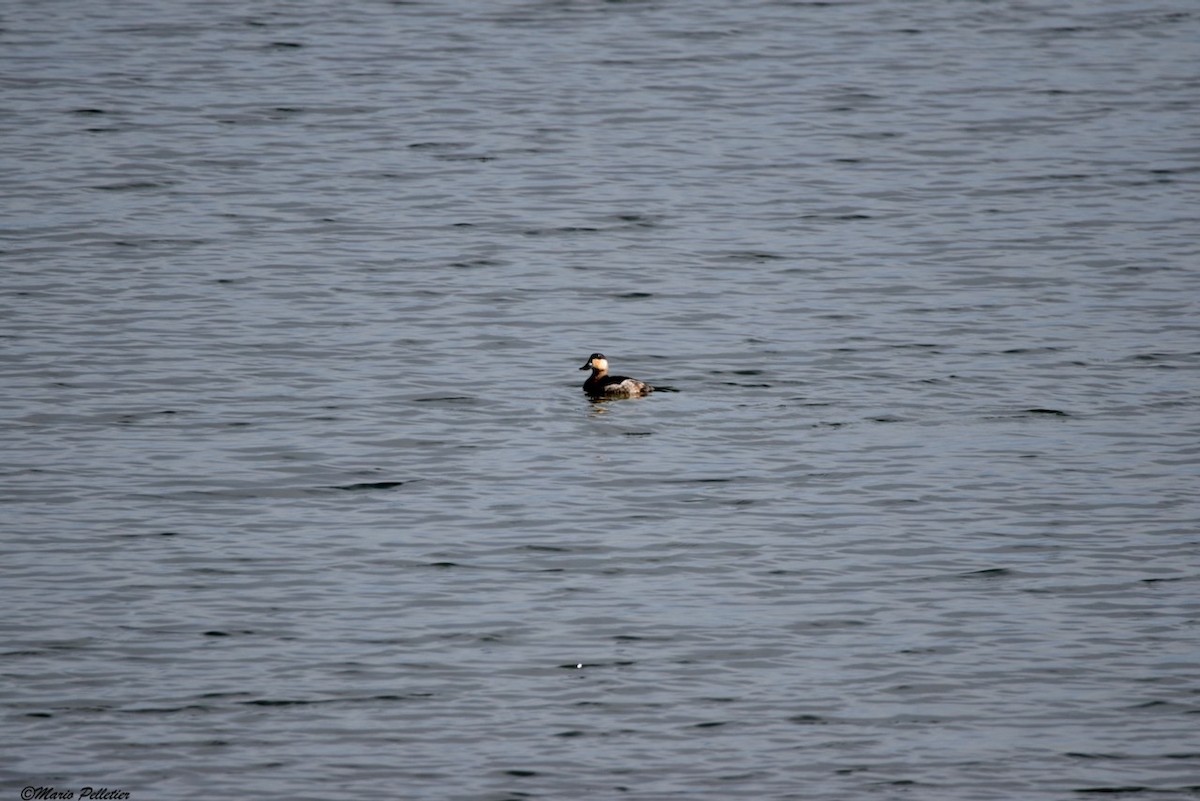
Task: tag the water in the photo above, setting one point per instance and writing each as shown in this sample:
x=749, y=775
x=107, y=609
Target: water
x=302, y=499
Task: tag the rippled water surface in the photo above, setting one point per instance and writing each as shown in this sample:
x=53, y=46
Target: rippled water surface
x=301, y=498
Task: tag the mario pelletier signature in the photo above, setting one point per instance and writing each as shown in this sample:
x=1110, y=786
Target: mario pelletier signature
x=32, y=793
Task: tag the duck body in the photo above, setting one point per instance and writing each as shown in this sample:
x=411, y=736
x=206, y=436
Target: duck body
x=602, y=385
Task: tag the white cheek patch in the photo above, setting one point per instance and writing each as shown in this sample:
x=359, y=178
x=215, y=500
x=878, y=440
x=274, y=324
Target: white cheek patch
x=600, y=364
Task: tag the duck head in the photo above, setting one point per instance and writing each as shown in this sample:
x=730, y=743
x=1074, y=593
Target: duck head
x=596, y=362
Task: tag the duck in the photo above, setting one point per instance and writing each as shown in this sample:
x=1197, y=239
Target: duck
x=602, y=385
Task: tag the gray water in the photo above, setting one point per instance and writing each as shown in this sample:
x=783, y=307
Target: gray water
x=301, y=498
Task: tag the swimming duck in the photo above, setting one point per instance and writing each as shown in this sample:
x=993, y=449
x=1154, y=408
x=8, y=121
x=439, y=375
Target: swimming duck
x=602, y=385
